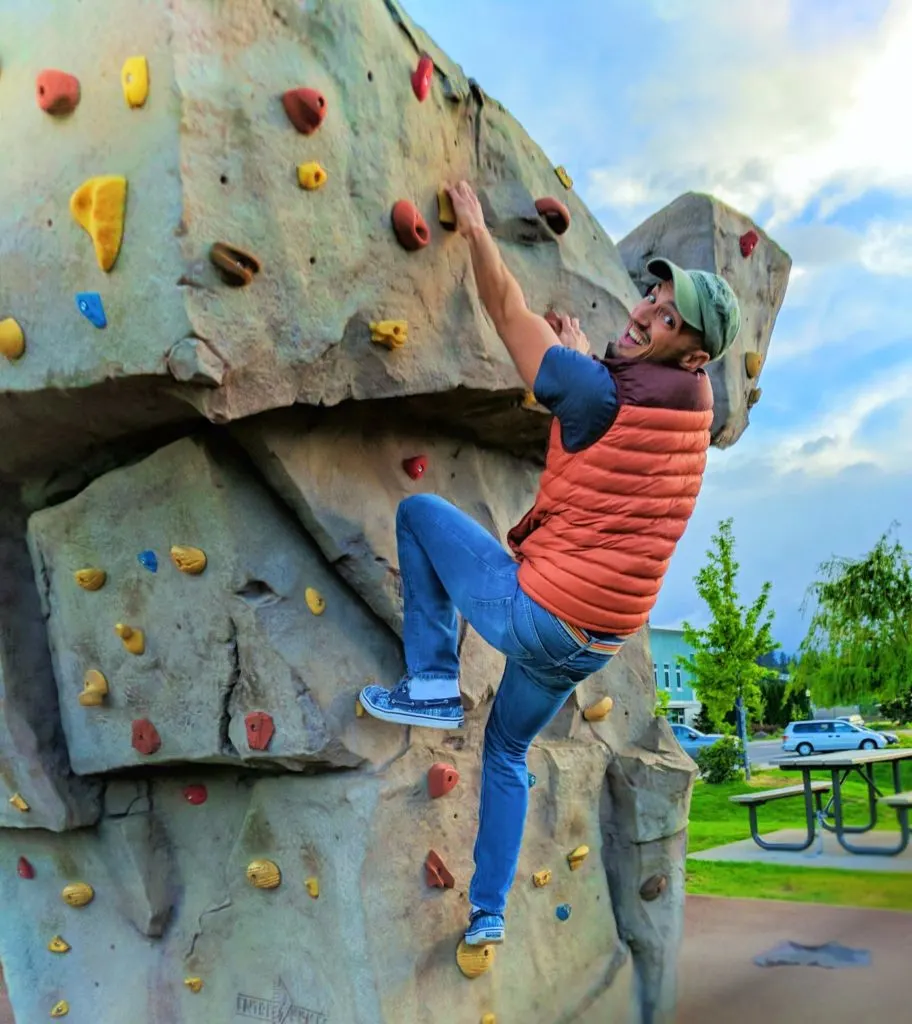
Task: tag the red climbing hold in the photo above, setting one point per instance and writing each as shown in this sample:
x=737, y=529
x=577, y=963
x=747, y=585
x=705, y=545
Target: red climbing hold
x=24, y=869
x=421, y=78
x=57, y=92
x=410, y=227
x=441, y=779
x=145, y=736
x=415, y=466
x=748, y=242
x=195, y=794
x=556, y=214
x=260, y=729
x=305, y=108
x=436, y=872
x=554, y=321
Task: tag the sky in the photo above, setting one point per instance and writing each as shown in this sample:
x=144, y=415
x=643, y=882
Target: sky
x=792, y=111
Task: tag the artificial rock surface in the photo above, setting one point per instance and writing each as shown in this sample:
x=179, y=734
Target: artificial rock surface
x=171, y=426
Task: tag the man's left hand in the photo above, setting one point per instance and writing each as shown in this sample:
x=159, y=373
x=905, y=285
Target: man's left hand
x=571, y=336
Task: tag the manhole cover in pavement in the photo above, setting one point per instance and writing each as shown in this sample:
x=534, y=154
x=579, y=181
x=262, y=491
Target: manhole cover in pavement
x=832, y=956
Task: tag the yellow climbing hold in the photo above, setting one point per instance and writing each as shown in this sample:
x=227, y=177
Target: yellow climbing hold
x=529, y=400
x=60, y=1009
x=577, y=856
x=133, y=639
x=264, y=874
x=601, y=709
x=59, y=945
x=315, y=601
x=754, y=397
x=541, y=878
x=473, y=961
x=134, y=77
x=17, y=802
x=12, y=340
x=194, y=983
x=488, y=1018
x=311, y=176
x=90, y=579
x=752, y=364
x=94, y=689
x=98, y=205
x=359, y=709
x=563, y=177
x=189, y=560
x=391, y=333
x=313, y=887
x=78, y=894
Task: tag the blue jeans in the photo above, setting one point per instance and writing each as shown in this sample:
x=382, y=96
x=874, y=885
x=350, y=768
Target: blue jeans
x=449, y=564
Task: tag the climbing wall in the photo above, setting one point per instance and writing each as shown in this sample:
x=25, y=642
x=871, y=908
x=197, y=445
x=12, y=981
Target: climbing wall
x=236, y=330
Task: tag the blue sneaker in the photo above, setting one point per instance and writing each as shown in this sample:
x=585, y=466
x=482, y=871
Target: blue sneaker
x=484, y=929
x=397, y=706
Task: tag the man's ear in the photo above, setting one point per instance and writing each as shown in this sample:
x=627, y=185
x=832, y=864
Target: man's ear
x=694, y=360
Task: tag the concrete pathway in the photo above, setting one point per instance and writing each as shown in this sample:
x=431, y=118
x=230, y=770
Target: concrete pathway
x=833, y=856
x=719, y=982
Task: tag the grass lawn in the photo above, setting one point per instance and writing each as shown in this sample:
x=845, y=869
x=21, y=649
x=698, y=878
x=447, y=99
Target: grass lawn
x=714, y=822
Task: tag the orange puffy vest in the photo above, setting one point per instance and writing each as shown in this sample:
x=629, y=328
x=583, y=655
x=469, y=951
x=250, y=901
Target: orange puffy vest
x=595, y=546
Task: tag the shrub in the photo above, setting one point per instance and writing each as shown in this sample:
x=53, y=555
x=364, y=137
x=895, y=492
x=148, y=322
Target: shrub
x=721, y=762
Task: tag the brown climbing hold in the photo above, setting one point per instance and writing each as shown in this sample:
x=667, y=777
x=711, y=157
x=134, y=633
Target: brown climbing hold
x=753, y=397
x=473, y=961
x=752, y=364
x=416, y=466
x=748, y=242
x=305, y=108
x=445, y=212
x=260, y=729
x=57, y=92
x=553, y=321
x=555, y=213
x=24, y=869
x=599, y=710
x=196, y=793
x=421, y=78
x=145, y=736
x=653, y=887
x=410, y=227
x=437, y=873
x=441, y=779
x=237, y=267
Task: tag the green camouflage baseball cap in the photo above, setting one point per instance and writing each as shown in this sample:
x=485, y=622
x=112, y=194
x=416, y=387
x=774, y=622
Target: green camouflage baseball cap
x=705, y=301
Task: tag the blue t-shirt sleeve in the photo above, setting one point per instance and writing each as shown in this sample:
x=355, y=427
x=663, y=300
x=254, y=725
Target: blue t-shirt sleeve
x=580, y=392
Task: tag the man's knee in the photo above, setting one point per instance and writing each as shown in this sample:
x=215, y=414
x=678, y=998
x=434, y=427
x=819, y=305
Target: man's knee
x=417, y=505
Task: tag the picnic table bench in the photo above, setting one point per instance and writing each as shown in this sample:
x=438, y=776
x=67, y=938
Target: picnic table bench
x=812, y=808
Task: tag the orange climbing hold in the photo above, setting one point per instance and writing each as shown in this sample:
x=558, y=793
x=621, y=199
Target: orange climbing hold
x=12, y=339
x=145, y=738
x=555, y=213
x=57, y=92
x=410, y=227
x=441, y=779
x=421, y=78
x=416, y=466
x=437, y=873
x=90, y=579
x=260, y=729
x=305, y=108
x=99, y=206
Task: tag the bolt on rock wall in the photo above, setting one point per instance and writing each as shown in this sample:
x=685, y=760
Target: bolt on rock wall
x=235, y=332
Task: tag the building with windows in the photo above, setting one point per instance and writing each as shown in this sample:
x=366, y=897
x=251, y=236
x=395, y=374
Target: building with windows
x=667, y=645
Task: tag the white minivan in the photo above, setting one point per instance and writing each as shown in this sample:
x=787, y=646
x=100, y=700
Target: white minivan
x=823, y=735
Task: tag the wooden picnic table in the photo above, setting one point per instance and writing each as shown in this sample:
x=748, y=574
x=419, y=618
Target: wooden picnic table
x=841, y=764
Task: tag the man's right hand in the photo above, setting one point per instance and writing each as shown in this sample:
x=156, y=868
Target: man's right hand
x=469, y=214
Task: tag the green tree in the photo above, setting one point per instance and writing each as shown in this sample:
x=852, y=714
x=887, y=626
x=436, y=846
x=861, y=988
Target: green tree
x=858, y=645
x=663, y=699
x=726, y=653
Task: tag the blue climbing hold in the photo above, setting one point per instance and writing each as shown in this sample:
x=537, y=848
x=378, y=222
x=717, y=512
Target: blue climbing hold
x=148, y=560
x=89, y=304
x=564, y=911
x=532, y=780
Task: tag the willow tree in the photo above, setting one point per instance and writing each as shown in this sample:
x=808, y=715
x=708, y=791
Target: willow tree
x=858, y=645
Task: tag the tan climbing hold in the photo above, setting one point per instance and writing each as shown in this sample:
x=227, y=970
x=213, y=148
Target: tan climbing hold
x=17, y=801
x=391, y=333
x=193, y=983
x=445, y=212
x=60, y=1009
x=753, y=361
x=541, y=878
x=99, y=205
x=94, y=689
x=90, y=579
x=754, y=397
x=264, y=874
x=134, y=77
x=78, y=894
x=59, y=945
x=189, y=560
x=133, y=639
x=311, y=176
x=312, y=885
x=576, y=857
x=601, y=709
x=315, y=601
x=653, y=887
x=12, y=340
x=473, y=961
x=563, y=177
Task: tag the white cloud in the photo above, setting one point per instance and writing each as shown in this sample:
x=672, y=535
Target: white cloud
x=887, y=249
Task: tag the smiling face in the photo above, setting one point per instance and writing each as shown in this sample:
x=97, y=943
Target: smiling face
x=656, y=332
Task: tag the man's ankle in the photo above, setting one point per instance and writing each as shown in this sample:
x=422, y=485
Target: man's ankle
x=434, y=688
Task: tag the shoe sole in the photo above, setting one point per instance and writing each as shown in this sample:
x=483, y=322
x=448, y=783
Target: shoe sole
x=479, y=939
x=404, y=718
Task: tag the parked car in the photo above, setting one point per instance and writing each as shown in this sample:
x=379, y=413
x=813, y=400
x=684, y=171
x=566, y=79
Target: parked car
x=890, y=737
x=824, y=735
x=692, y=741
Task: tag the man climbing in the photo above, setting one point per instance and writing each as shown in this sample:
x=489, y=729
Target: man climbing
x=624, y=466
